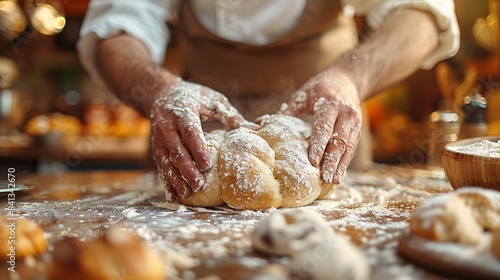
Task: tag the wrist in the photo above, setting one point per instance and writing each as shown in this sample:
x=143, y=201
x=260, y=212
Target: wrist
x=345, y=81
x=154, y=85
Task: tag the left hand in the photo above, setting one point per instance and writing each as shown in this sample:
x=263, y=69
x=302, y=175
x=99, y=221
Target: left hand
x=333, y=99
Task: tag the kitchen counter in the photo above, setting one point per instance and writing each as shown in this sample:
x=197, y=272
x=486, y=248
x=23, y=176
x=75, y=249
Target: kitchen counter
x=371, y=207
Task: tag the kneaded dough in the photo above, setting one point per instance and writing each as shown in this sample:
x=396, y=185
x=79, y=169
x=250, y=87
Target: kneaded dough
x=288, y=231
x=263, y=168
x=459, y=216
x=316, y=251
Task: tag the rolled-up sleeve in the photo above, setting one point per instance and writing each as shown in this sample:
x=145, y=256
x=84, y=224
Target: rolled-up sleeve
x=443, y=10
x=144, y=20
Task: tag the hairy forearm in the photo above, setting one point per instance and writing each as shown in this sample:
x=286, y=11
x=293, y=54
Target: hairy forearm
x=129, y=71
x=392, y=53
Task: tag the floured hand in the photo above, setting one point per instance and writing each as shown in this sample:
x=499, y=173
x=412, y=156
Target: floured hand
x=334, y=100
x=179, y=146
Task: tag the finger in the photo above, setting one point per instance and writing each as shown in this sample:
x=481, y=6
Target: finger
x=324, y=121
x=182, y=160
x=333, y=154
x=194, y=138
x=160, y=158
x=341, y=149
x=175, y=178
x=170, y=193
x=179, y=157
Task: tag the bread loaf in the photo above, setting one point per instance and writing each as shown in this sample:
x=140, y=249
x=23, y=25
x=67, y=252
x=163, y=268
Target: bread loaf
x=460, y=216
x=263, y=168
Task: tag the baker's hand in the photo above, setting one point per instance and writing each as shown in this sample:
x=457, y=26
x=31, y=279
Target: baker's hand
x=179, y=145
x=334, y=100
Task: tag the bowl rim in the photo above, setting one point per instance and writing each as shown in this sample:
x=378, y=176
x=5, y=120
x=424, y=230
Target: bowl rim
x=468, y=141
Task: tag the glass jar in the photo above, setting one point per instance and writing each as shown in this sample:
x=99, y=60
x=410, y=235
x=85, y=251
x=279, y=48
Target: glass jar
x=444, y=128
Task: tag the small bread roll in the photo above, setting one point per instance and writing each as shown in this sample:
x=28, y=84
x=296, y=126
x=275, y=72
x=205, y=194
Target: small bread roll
x=246, y=165
x=210, y=195
x=20, y=238
x=459, y=216
x=118, y=254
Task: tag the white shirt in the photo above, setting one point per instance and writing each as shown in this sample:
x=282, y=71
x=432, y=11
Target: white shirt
x=256, y=22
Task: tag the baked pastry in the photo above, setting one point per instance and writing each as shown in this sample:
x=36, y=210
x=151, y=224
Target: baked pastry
x=263, y=168
x=316, y=251
x=460, y=216
x=20, y=238
x=118, y=254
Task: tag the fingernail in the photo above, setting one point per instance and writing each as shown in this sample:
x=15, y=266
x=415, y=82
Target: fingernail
x=338, y=177
x=198, y=184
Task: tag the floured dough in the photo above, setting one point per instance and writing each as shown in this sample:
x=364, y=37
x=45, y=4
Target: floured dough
x=460, y=216
x=263, y=168
x=288, y=231
x=333, y=259
x=316, y=251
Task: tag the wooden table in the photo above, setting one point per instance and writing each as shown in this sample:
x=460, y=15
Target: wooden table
x=371, y=207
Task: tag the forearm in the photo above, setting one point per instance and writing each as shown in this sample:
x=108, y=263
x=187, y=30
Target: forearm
x=391, y=53
x=129, y=71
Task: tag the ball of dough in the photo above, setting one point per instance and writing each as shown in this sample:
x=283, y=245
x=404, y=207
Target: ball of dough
x=288, y=231
x=23, y=235
x=335, y=258
x=118, y=254
x=246, y=165
x=316, y=251
x=458, y=216
x=210, y=195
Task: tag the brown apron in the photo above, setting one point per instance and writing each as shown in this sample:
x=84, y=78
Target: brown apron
x=258, y=79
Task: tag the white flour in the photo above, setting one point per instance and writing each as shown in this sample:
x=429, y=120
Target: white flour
x=481, y=148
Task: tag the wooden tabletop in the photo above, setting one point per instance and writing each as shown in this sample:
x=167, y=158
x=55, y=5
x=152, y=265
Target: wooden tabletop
x=371, y=207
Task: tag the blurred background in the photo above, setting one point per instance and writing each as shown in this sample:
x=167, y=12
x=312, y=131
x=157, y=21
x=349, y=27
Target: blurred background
x=53, y=118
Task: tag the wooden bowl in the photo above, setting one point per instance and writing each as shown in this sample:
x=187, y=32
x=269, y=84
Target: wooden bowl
x=471, y=168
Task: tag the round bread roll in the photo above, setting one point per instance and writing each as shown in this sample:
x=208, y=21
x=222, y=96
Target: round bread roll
x=459, y=216
x=263, y=168
x=118, y=254
x=20, y=238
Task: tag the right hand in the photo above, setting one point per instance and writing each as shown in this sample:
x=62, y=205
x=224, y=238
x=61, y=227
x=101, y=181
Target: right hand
x=179, y=146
